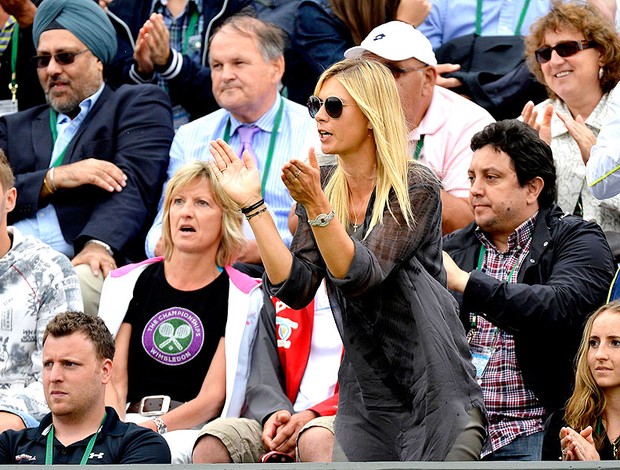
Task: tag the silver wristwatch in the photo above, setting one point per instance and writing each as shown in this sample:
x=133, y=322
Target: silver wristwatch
x=107, y=247
x=161, y=426
x=322, y=220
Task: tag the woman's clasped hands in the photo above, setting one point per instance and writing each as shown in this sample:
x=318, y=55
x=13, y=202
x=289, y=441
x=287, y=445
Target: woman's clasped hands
x=578, y=446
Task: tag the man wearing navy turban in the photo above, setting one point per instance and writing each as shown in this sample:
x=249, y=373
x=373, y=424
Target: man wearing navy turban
x=89, y=165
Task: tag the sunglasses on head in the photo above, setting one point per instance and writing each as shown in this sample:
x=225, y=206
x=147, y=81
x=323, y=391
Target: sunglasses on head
x=333, y=106
x=62, y=58
x=563, y=49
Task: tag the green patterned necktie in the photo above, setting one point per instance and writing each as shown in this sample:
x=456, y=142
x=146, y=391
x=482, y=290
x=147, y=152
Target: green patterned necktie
x=5, y=34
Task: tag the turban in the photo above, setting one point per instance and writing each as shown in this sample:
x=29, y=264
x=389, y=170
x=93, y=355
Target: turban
x=84, y=18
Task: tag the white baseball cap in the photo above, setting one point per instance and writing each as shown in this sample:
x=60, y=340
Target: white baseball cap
x=395, y=41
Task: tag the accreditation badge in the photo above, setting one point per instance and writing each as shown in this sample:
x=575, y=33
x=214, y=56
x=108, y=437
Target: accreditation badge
x=8, y=107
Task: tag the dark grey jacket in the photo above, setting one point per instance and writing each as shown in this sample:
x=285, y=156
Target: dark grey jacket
x=565, y=277
x=405, y=349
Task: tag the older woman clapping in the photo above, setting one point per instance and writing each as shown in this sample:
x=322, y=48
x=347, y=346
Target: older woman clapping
x=575, y=52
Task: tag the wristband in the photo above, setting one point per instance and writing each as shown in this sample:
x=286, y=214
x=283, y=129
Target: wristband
x=253, y=207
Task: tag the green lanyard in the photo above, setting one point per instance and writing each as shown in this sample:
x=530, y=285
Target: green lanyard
x=14, y=42
x=49, y=447
x=519, y=24
x=272, y=142
x=418, y=148
x=53, y=121
x=189, y=32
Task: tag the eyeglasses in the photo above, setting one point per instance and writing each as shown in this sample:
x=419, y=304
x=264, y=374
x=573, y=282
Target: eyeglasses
x=398, y=71
x=563, y=49
x=333, y=106
x=62, y=58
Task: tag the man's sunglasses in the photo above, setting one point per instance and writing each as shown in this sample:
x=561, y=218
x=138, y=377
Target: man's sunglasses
x=333, y=106
x=62, y=58
x=563, y=49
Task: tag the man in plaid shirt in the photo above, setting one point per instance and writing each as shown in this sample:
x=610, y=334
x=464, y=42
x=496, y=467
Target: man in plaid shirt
x=526, y=276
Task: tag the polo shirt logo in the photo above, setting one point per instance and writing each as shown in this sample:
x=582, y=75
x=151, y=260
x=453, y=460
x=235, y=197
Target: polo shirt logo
x=25, y=458
x=98, y=456
x=173, y=336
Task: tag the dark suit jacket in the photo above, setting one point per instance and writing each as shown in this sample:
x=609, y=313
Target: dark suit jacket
x=130, y=127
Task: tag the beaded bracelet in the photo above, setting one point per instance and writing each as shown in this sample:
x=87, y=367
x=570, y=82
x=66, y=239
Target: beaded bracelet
x=248, y=217
x=247, y=210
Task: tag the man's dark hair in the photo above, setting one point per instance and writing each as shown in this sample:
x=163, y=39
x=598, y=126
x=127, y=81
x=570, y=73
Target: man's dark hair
x=67, y=323
x=530, y=155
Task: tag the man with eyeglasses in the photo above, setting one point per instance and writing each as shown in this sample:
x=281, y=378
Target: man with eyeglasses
x=246, y=57
x=89, y=167
x=441, y=123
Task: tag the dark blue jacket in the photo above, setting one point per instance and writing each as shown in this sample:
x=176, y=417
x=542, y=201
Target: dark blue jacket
x=319, y=40
x=130, y=127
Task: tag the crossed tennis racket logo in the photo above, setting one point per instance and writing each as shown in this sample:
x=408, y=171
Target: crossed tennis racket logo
x=172, y=335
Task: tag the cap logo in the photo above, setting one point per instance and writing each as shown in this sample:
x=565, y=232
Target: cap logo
x=378, y=36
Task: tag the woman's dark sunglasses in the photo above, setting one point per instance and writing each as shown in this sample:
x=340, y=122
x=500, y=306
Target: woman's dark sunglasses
x=333, y=106
x=564, y=49
x=62, y=58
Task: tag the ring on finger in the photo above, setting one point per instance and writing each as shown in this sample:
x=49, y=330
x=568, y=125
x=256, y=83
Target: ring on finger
x=297, y=174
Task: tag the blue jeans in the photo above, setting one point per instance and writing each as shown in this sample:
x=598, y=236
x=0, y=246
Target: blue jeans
x=522, y=448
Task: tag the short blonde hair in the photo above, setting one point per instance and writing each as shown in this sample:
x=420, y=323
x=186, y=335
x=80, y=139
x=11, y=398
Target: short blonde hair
x=232, y=236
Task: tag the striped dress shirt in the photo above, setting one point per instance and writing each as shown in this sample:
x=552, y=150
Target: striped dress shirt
x=296, y=134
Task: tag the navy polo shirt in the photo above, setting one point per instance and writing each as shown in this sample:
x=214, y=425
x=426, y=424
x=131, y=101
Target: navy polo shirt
x=117, y=443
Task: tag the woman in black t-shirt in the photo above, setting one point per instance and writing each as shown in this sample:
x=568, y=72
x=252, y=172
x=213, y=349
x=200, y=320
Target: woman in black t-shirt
x=170, y=363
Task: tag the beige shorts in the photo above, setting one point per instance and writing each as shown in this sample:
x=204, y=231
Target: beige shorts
x=242, y=436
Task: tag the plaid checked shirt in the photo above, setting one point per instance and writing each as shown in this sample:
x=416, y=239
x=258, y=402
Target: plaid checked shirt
x=513, y=410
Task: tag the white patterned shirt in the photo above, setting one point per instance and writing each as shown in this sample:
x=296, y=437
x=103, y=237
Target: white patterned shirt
x=36, y=283
x=571, y=171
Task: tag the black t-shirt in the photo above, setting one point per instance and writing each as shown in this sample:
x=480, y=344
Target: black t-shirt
x=174, y=335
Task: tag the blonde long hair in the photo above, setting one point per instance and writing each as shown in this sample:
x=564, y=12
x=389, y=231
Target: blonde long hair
x=373, y=88
x=586, y=405
x=232, y=236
